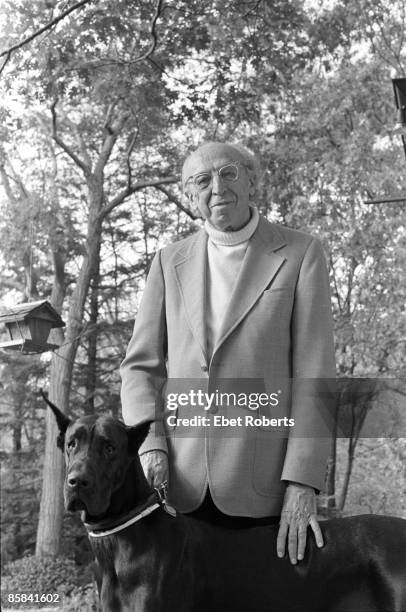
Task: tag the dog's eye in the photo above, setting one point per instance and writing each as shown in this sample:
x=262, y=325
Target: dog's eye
x=109, y=448
x=71, y=444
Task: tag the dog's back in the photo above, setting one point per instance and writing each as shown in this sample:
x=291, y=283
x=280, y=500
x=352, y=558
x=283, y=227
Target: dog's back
x=361, y=568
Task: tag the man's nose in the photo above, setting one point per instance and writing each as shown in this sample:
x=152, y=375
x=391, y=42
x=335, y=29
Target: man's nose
x=218, y=186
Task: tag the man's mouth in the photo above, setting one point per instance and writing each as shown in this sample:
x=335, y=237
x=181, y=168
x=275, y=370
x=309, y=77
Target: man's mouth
x=220, y=204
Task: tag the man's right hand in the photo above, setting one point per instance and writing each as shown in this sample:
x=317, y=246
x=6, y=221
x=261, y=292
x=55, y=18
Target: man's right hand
x=155, y=466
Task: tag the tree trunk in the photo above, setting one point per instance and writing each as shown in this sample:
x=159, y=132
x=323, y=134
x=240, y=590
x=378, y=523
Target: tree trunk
x=348, y=471
x=51, y=508
x=17, y=539
x=331, y=509
x=91, y=374
x=331, y=479
x=51, y=505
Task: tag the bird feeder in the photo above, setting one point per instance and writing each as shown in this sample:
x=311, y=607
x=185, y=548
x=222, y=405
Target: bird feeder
x=399, y=89
x=29, y=325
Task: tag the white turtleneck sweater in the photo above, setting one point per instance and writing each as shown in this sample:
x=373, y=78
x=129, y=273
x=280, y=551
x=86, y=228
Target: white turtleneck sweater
x=225, y=253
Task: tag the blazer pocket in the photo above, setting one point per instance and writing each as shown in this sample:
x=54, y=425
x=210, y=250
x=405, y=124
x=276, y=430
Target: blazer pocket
x=276, y=303
x=272, y=289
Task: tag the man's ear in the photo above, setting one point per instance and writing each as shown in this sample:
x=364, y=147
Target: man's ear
x=61, y=419
x=253, y=188
x=136, y=436
x=189, y=198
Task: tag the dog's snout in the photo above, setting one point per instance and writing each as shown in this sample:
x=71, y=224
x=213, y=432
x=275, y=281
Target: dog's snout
x=78, y=481
x=79, y=478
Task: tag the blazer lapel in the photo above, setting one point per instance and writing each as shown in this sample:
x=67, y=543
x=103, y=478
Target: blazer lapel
x=190, y=271
x=261, y=263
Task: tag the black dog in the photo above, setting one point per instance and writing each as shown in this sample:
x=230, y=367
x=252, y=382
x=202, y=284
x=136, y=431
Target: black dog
x=152, y=561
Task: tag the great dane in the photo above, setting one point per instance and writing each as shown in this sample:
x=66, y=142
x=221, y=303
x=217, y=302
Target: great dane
x=151, y=559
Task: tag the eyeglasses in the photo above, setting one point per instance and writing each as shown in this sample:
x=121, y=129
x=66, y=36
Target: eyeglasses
x=228, y=173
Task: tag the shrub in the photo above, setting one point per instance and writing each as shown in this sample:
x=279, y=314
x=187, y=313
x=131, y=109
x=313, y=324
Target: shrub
x=82, y=599
x=45, y=575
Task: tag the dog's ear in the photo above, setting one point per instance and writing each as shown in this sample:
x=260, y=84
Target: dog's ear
x=61, y=419
x=137, y=435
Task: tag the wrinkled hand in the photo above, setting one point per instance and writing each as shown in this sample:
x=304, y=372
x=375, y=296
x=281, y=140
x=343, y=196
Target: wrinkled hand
x=155, y=466
x=298, y=511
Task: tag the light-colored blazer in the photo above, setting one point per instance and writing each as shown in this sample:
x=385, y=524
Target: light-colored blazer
x=278, y=326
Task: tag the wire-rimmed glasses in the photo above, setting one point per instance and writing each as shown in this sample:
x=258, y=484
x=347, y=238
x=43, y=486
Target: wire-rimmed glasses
x=229, y=173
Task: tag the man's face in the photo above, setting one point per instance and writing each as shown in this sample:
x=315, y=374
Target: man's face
x=224, y=202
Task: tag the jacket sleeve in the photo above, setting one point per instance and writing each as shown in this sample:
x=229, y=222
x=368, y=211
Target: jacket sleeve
x=313, y=373
x=143, y=371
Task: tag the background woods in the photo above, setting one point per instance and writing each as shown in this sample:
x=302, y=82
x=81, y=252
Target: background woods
x=97, y=111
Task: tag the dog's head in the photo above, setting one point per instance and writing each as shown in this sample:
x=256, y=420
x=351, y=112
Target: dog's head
x=98, y=452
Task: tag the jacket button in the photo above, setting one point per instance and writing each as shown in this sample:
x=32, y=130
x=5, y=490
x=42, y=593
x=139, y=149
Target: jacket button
x=205, y=368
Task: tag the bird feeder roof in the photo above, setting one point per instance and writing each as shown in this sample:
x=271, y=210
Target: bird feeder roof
x=32, y=310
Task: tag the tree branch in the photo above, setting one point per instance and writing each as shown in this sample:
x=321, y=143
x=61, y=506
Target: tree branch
x=172, y=198
x=80, y=142
x=108, y=61
x=79, y=162
x=11, y=283
x=252, y=9
x=152, y=33
x=130, y=189
x=128, y=156
x=46, y=27
x=112, y=132
x=337, y=292
x=6, y=184
x=23, y=193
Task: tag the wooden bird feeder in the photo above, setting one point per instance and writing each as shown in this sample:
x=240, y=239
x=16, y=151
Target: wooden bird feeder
x=29, y=325
x=399, y=89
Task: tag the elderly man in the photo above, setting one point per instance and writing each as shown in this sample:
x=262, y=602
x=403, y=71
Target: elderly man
x=241, y=300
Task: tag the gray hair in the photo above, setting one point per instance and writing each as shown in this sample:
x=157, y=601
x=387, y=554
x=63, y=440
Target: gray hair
x=250, y=161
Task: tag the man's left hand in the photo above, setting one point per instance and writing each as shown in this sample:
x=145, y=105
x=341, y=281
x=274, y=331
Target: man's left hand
x=298, y=512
